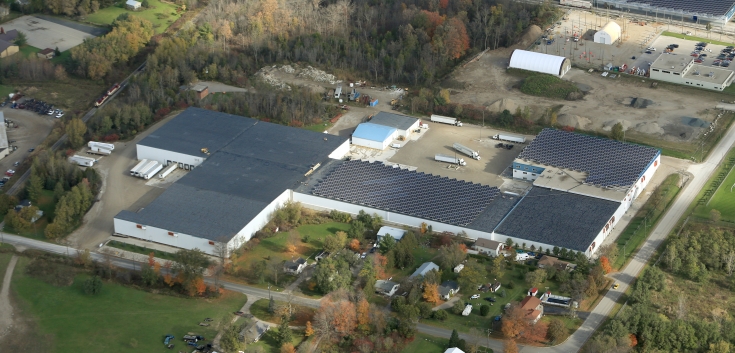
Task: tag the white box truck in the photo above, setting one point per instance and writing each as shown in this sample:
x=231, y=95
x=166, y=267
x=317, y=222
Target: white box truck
x=466, y=150
x=138, y=167
x=145, y=168
x=445, y=120
x=83, y=161
x=100, y=151
x=150, y=173
x=107, y=146
x=510, y=138
x=168, y=170
x=449, y=159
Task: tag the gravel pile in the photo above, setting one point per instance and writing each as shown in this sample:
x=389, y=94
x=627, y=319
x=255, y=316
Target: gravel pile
x=267, y=76
x=317, y=75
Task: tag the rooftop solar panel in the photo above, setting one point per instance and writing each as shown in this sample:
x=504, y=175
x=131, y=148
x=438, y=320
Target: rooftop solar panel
x=422, y=195
x=709, y=7
x=607, y=162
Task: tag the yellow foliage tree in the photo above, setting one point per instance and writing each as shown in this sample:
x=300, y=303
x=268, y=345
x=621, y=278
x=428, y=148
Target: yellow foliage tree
x=431, y=293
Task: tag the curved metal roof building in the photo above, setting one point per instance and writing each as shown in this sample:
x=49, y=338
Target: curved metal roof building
x=539, y=62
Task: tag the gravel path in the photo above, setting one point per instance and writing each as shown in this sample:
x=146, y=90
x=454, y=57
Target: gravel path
x=6, y=309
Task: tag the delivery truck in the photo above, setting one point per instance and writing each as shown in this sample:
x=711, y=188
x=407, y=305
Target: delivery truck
x=466, y=150
x=445, y=120
x=510, y=138
x=449, y=159
x=83, y=161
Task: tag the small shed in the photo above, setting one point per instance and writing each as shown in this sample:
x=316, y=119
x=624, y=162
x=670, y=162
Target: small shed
x=133, y=5
x=47, y=53
x=373, y=136
x=201, y=90
x=533, y=291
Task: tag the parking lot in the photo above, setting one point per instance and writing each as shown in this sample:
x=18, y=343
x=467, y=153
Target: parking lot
x=686, y=47
x=46, y=34
x=32, y=130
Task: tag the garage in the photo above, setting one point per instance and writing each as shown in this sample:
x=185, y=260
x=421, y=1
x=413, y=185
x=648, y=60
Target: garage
x=403, y=124
x=608, y=34
x=373, y=136
x=539, y=62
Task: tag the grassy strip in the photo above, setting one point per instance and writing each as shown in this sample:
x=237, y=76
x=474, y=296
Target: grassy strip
x=117, y=319
x=701, y=209
x=160, y=14
x=302, y=314
x=706, y=40
x=141, y=250
x=645, y=220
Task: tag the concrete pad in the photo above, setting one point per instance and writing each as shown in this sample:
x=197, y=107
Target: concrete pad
x=45, y=34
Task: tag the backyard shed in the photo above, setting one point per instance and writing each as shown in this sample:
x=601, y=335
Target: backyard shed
x=373, y=135
x=609, y=34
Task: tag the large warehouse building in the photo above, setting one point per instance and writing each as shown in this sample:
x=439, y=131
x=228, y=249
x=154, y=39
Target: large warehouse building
x=539, y=62
x=717, y=11
x=582, y=186
x=683, y=70
x=609, y=34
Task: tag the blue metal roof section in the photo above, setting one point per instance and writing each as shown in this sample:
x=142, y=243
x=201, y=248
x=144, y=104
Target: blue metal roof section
x=426, y=196
x=373, y=132
x=609, y=163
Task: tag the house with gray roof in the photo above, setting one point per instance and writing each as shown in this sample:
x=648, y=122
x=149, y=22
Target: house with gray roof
x=448, y=289
x=424, y=269
x=294, y=267
x=386, y=288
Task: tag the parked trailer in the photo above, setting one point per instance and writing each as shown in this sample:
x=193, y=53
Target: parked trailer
x=449, y=159
x=445, y=120
x=466, y=150
x=510, y=138
x=152, y=172
x=83, y=161
x=145, y=168
x=576, y=3
x=138, y=167
x=171, y=167
x=338, y=91
x=100, y=151
x=107, y=146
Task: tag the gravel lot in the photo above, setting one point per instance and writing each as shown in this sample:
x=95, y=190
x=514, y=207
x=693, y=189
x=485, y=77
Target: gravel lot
x=46, y=34
x=32, y=129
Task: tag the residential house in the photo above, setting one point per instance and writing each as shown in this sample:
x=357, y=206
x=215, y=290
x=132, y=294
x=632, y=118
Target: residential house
x=547, y=261
x=294, y=267
x=487, y=246
x=424, y=269
x=454, y=350
x=322, y=255
x=495, y=287
x=253, y=332
x=447, y=289
x=386, y=288
x=533, y=308
x=7, y=42
x=47, y=53
x=133, y=5
x=396, y=233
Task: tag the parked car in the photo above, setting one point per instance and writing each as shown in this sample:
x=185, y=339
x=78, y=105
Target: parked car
x=31, y=149
x=168, y=339
x=490, y=299
x=616, y=285
x=16, y=164
x=475, y=296
x=651, y=49
x=363, y=255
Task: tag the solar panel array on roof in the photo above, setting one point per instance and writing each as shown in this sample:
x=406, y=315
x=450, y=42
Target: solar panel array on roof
x=711, y=7
x=420, y=195
x=607, y=162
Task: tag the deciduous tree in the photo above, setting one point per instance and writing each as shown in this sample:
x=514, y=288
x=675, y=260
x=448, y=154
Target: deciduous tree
x=451, y=255
x=472, y=276
x=557, y=330
x=355, y=245
x=75, y=130
x=431, y=292
x=510, y=346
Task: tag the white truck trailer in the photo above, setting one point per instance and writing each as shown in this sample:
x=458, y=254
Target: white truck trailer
x=83, y=161
x=467, y=310
x=107, y=146
x=510, y=138
x=152, y=171
x=100, y=151
x=145, y=168
x=449, y=159
x=138, y=167
x=445, y=120
x=168, y=170
x=466, y=150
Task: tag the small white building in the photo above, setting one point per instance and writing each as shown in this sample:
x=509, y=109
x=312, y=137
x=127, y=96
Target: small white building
x=454, y=350
x=424, y=269
x=467, y=310
x=539, y=62
x=374, y=136
x=487, y=246
x=609, y=34
x=133, y=5
x=394, y=233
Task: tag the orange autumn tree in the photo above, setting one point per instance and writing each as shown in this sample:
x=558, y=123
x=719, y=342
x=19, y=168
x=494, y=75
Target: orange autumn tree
x=463, y=247
x=345, y=319
x=355, y=245
x=605, y=263
x=434, y=20
x=633, y=340
x=288, y=348
x=151, y=259
x=199, y=286
x=309, y=330
x=363, y=315
x=431, y=293
x=456, y=40
x=379, y=263
x=510, y=346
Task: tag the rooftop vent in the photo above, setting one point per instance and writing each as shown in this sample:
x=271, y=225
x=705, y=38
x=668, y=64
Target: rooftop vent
x=205, y=151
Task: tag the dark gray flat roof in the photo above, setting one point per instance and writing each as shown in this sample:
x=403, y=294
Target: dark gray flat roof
x=494, y=213
x=401, y=122
x=558, y=218
x=197, y=128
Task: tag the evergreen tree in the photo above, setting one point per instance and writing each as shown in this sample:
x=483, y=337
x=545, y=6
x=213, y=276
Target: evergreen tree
x=453, y=339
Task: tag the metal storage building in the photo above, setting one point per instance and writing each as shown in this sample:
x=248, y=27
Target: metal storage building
x=404, y=124
x=373, y=136
x=609, y=34
x=539, y=62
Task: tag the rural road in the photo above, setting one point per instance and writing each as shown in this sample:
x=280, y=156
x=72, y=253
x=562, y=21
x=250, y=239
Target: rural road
x=700, y=172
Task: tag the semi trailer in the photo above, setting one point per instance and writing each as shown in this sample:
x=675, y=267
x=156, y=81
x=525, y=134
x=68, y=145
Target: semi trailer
x=138, y=167
x=449, y=159
x=152, y=171
x=83, y=161
x=100, y=151
x=466, y=150
x=445, y=120
x=510, y=138
x=148, y=166
x=107, y=146
x=168, y=170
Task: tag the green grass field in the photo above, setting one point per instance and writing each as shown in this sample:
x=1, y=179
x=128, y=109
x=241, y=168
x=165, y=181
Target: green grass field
x=119, y=319
x=28, y=50
x=723, y=199
x=423, y=343
x=5, y=91
x=141, y=250
x=700, y=39
x=547, y=86
x=4, y=259
x=160, y=14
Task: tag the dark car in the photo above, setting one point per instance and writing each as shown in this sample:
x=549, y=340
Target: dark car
x=508, y=146
x=372, y=250
x=500, y=145
x=31, y=149
x=674, y=45
x=490, y=299
x=649, y=52
x=702, y=55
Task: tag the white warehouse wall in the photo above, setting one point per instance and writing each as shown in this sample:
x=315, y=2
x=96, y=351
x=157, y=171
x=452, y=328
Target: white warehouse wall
x=341, y=151
x=156, y=154
x=370, y=143
x=600, y=238
x=258, y=222
x=158, y=235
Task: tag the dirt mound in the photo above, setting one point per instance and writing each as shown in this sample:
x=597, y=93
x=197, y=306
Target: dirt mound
x=531, y=35
x=575, y=121
x=503, y=104
x=649, y=128
x=607, y=126
x=641, y=103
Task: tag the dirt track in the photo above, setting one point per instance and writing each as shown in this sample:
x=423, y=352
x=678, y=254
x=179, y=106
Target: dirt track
x=6, y=308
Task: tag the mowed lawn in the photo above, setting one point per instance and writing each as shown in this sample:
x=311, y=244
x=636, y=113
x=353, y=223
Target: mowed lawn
x=423, y=343
x=160, y=14
x=119, y=318
x=723, y=200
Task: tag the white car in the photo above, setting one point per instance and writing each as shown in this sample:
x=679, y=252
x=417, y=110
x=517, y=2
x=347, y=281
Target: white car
x=651, y=48
x=475, y=296
x=363, y=255
x=59, y=114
